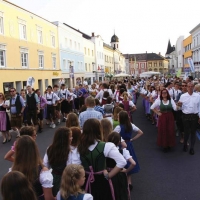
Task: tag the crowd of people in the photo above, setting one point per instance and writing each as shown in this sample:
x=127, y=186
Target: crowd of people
x=92, y=156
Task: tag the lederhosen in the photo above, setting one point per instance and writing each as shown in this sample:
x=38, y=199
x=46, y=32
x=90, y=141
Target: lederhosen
x=64, y=103
x=50, y=108
x=58, y=105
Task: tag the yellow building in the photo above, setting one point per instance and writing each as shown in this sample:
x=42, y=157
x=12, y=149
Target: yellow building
x=187, y=44
x=157, y=63
x=108, y=58
x=28, y=48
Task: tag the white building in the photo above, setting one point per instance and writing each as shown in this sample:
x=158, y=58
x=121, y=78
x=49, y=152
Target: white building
x=179, y=53
x=89, y=59
x=99, y=67
x=195, y=32
x=71, y=53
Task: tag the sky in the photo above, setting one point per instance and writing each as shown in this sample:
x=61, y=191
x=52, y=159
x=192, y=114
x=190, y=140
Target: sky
x=141, y=25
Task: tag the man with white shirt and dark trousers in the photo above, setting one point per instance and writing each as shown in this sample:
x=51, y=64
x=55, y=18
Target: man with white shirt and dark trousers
x=51, y=98
x=190, y=103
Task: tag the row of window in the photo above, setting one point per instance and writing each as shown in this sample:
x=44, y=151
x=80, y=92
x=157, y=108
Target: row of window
x=108, y=59
x=196, y=56
x=23, y=31
x=72, y=45
x=155, y=64
x=196, y=41
x=24, y=56
x=188, y=47
x=87, y=52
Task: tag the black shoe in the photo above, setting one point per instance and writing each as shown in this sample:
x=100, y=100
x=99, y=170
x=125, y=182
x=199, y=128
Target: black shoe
x=185, y=148
x=4, y=141
x=10, y=138
x=191, y=151
x=165, y=150
x=40, y=131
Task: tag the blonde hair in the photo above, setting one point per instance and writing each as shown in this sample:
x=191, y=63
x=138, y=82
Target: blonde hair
x=197, y=87
x=125, y=96
x=106, y=128
x=70, y=176
x=116, y=111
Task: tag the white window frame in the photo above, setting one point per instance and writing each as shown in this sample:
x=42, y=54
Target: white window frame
x=64, y=63
x=24, y=51
x=53, y=60
x=1, y=23
x=40, y=55
x=66, y=42
x=39, y=35
x=53, y=39
x=22, y=30
x=75, y=45
x=3, y=49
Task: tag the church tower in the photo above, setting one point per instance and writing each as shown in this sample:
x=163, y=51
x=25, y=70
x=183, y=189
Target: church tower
x=115, y=42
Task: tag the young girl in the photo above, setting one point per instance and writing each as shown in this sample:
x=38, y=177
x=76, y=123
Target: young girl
x=16, y=180
x=72, y=120
x=26, y=130
x=119, y=181
x=93, y=155
x=126, y=129
x=73, y=179
x=27, y=160
x=57, y=155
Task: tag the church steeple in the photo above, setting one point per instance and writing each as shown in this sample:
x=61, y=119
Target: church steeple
x=169, y=48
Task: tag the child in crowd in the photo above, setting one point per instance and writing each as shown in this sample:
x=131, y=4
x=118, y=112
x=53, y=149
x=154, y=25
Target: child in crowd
x=73, y=179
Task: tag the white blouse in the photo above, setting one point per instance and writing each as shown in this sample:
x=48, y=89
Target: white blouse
x=73, y=158
x=118, y=128
x=45, y=178
x=85, y=197
x=158, y=101
x=126, y=154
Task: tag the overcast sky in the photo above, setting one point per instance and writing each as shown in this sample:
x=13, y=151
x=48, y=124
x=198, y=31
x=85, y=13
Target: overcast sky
x=141, y=25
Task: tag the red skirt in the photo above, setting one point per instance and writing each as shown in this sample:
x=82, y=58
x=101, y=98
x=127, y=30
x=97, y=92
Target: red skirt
x=166, y=130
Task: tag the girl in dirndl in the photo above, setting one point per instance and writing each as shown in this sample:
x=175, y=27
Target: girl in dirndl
x=126, y=130
x=120, y=182
x=93, y=154
x=4, y=120
x=73, y=179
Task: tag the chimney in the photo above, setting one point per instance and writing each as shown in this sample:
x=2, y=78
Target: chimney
x=92, y=34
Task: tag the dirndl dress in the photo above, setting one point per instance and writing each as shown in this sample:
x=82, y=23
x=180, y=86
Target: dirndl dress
x=127, y=136
x=119, y=181
x=4, y=120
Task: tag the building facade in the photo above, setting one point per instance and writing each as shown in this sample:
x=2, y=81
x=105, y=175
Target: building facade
x=157, y=63
x=28, y=48
x=89, y=60
x=187, y=45
x=179, y=53
x=195, y=33
x=71, y=54
x=99, y=67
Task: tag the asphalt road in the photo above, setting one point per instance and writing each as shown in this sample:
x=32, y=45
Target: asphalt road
x=163, y=176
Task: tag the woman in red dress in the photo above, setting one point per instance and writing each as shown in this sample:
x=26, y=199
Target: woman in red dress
x=163, y=107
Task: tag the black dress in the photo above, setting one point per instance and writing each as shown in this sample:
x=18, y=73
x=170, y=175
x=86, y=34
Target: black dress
x=119, y=181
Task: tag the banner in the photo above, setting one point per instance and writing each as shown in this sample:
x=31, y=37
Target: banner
x=191, y=64
x=178, y=74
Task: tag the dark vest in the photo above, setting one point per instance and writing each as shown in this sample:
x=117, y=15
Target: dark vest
x=79, y=197
x=31, y=102
x=17, y=104
x=94, y=158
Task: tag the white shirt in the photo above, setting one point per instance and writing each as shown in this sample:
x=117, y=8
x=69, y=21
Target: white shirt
x=100, y=94
x=65, y=93
x=176, y=93
x=158, y=101
x=51, y=98
x=85, y=197
x=118, y=128
x=190, y=103
x=73, y=158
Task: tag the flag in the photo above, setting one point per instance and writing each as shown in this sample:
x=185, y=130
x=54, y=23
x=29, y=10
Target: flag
x=178, y=74
x=191, y=64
